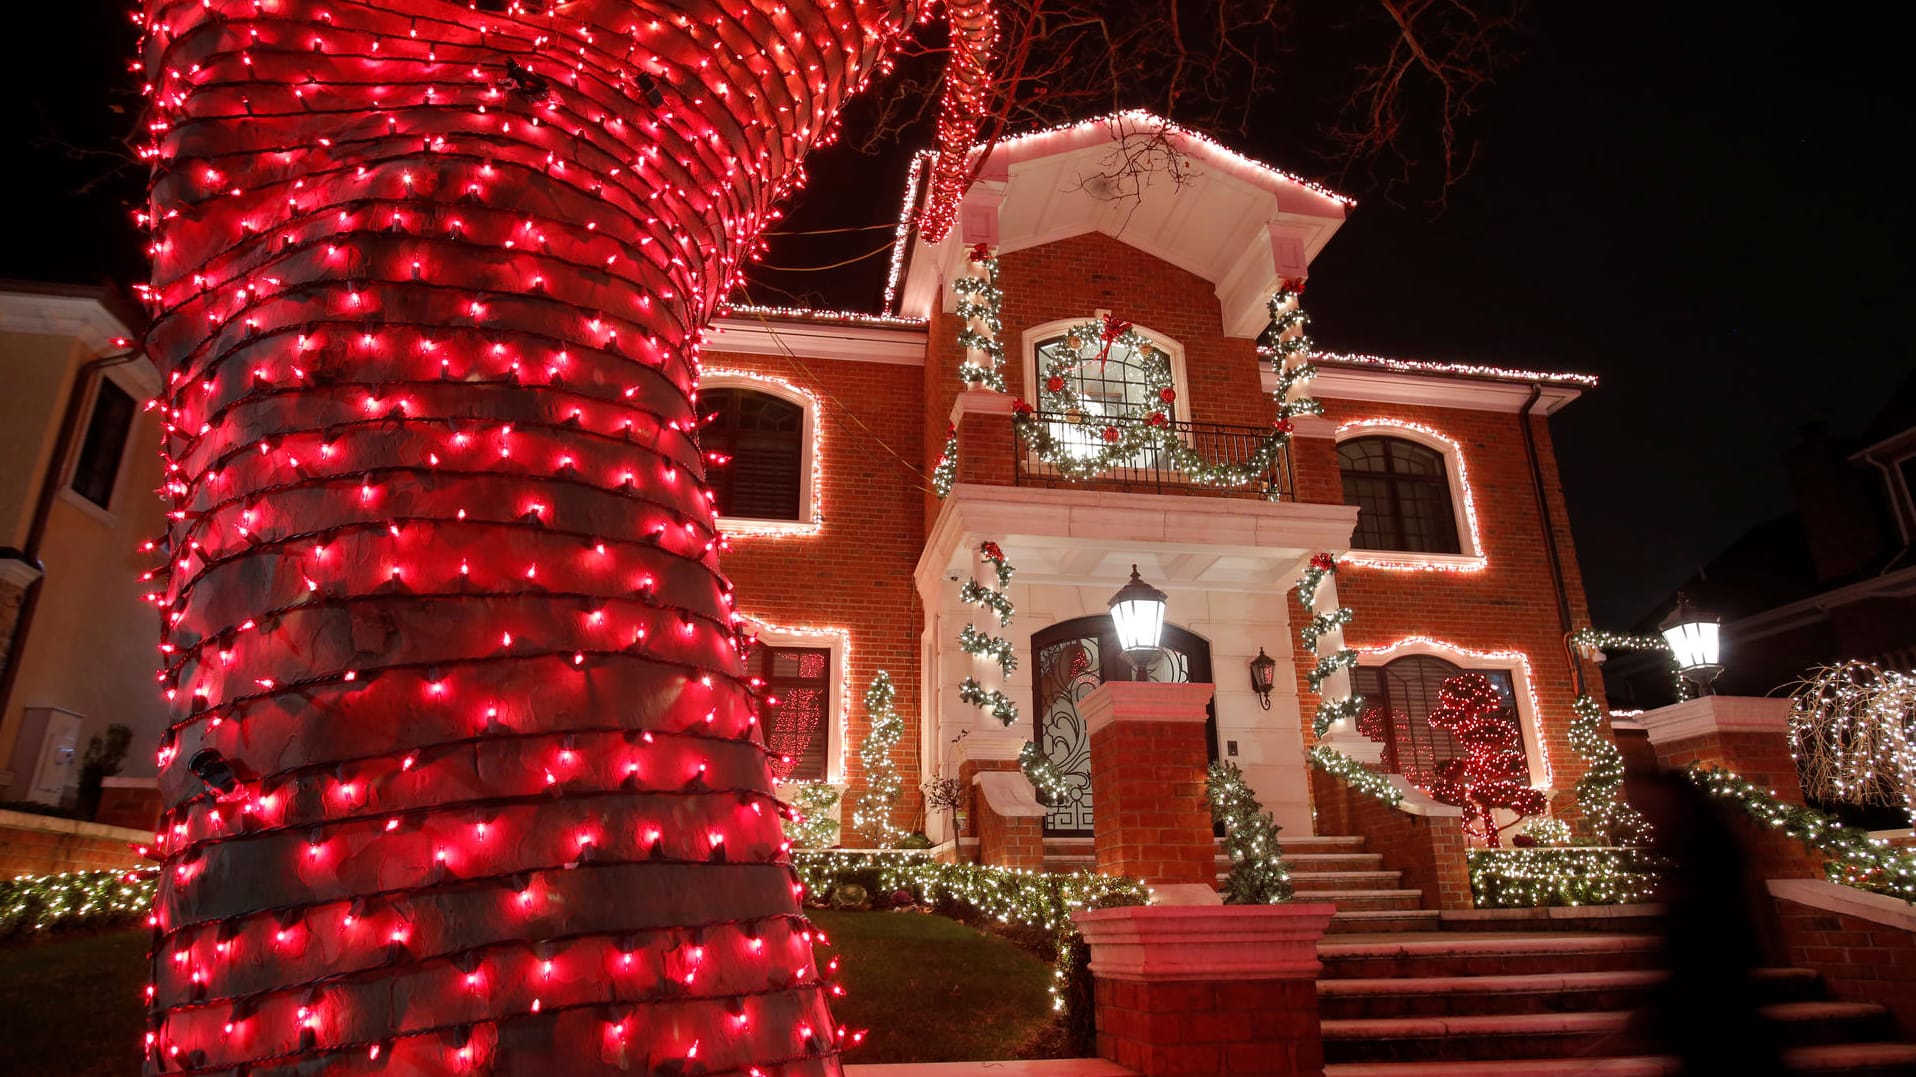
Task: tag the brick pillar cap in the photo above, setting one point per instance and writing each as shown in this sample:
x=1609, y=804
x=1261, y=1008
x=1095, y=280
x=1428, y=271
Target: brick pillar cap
x=1192, y=942
x=1144, y=701
x=1009, y=794
x=1717, y=714
x=980, y=401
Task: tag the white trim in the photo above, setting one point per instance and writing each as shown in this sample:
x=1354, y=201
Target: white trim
x=1705, y=715
x=811, y=519
x=866, y=344
x=839, y=642
x=1180, y=380
x=1463, y=505
x=82, y=318
x=1434, y=390
x=1845, y=901
x=1522, y=684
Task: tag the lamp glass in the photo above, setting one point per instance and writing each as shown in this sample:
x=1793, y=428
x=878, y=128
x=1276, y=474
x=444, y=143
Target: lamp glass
x=1137, y=615
x=1694, y=643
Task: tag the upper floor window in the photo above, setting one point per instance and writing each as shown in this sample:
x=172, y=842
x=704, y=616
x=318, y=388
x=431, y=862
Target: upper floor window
x=764, y=437
x=1114, y=385
x=1406, y=691
x=798, y=725
x=97, y=468
x=1402, y=492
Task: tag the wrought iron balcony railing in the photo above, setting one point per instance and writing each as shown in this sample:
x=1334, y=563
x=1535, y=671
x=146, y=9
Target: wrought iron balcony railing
x=1152, y=471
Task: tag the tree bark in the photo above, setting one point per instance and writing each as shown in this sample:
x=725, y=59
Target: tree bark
x=463, y=773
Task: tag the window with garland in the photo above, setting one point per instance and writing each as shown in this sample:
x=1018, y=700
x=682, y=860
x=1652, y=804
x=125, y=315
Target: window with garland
x=797, y=715
x=764, y=437
x=1402, y=492
x=1407, y=690
x=1113, y=386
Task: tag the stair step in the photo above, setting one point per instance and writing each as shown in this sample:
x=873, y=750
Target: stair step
x=1440, y=996
x=1472, y=1036
x=1484, y=954
x=1303, y=862
x=1627, y=1066
x=1322, y=843
x=1404, y=900
x=1850, y=1059
x=1828, y=1023
x=1357, y=921
x=1317, y=881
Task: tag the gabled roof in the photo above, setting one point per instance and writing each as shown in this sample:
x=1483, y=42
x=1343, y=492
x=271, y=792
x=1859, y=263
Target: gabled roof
x=1173, y=193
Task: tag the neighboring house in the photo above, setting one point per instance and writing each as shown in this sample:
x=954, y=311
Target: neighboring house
x=1429, y=482
x=1832, y=579
x=78, y=469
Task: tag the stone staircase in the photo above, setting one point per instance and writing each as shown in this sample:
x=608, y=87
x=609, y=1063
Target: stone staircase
x=1406, y=994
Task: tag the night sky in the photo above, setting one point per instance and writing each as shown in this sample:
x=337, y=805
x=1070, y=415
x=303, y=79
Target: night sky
x=1695, y=202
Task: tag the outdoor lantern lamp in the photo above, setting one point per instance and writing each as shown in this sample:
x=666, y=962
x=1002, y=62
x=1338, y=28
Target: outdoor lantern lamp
x=1137, y=613
x=1694, y=641
x=1263, y=673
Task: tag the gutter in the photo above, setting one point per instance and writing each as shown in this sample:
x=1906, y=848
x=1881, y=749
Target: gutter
x=1549, y=528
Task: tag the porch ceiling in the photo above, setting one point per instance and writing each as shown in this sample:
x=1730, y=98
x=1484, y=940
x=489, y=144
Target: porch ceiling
x=1091, y=538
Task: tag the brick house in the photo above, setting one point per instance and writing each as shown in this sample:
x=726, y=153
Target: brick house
x=1435, y=485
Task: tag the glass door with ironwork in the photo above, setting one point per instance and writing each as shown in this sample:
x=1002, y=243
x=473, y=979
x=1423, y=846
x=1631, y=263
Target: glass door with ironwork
x=1073, y=658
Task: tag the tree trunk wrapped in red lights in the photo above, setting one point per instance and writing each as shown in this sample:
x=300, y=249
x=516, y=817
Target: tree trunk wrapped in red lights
x=462, y=775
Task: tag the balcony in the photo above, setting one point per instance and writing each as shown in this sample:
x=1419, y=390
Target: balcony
x=1151, y=471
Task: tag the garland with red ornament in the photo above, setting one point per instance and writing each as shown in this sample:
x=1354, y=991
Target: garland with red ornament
x=981, y=644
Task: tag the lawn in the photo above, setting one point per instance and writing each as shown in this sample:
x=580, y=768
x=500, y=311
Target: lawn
x=929, y=990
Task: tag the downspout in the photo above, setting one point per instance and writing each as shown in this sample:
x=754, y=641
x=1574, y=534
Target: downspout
x=50, y=484
x=1549, y=532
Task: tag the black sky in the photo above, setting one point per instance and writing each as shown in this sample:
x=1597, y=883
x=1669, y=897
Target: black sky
x=1697, y=202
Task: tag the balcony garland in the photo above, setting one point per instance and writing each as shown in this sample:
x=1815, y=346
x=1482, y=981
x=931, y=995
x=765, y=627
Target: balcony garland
x=978, y=643
x=1146, y=428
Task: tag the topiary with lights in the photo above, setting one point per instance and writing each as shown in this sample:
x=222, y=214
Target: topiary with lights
x=872, y=814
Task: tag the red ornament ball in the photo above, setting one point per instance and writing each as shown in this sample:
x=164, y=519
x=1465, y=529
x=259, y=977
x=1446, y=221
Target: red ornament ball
x=1111, y=433
x=1167, y=394
x=1282, y=426
x=1054, y=384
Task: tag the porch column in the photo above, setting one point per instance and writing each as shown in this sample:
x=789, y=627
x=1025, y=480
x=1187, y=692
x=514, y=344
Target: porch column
x=1148, y=761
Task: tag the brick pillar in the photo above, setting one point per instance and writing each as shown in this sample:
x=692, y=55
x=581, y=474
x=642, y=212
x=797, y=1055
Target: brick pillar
x=985, y=437
x=1182, y=990
x=1010, y=821
x=1750, y=736
x=1148, y=759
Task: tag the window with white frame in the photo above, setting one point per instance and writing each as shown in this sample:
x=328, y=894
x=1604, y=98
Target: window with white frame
x=756, y=453
x=1111, y=383
x=1405, y=691
x=1402, y=492
x=102, y=447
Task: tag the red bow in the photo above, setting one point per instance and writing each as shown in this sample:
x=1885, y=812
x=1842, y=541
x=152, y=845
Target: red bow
x=1114, y=327
x=1323, y=562
x=980, y=251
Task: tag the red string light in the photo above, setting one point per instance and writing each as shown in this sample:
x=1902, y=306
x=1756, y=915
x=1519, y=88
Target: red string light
x=463, y=771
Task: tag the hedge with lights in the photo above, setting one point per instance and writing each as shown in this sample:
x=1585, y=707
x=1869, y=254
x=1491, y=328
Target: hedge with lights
x=1258, y=874
x=1554, y=875
x=463, y=770
x=1855, y=858
x=30, y=904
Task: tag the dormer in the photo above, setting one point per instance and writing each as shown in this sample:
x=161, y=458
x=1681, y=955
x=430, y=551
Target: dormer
x=1238, y=223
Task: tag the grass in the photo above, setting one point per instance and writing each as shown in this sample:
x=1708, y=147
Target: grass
x=72, y=1007
x=928, y=989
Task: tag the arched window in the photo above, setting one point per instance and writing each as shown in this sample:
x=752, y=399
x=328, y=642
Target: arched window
x=1114, y=386
x=1406, y=690
x=764, y=435
x=1402, y=492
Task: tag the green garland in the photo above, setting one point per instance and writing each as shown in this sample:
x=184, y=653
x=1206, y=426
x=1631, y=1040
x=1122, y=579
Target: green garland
x=814, y=825
x=944, y=474
x=1553, y=875
x=1258, y=873
x=979, y=297
x=872, y=815
x=1600, y=790
x=1599, y=640
x=1356, y=775
x=1856, y=858
x=36, y=903
x=976, y=642
x=1320, y=568
x=1043, y=775
x=1147, y=427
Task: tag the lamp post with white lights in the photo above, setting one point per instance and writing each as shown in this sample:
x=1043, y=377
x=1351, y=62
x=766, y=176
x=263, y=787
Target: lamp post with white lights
x=1137, y=615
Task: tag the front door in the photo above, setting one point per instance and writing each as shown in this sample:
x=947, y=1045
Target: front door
x=1074, y=657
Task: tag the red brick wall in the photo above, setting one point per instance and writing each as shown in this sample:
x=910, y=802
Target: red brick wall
x=1250, y=1028
x=36, y=845
x=1430, y=851
x=1510, y=605
x=1860, y=960
x=1009, y=842
x=1153, y=821
x=135, y=807
x=855, y=573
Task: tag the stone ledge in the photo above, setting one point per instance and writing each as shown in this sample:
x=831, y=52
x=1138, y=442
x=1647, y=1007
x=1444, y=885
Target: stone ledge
x=1167, y=943
x=1144, y=701
x=1847, y=900
x=1717, y=714
x=1008, y=794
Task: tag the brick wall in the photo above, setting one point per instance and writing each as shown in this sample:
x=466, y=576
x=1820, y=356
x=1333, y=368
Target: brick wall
x=129, y=805
x=1429, y=850
x=1153, y=821
x=1251, y=1028
x=1009, y=841
x=1861, y=960
x=855, y=573
x=43, y=845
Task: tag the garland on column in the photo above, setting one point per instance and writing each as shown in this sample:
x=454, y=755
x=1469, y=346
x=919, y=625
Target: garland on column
x=978, y=643
x=944, y=474
x=1113, y=438
x=1043, y=775
x=1356, y=775
x=872, y=815
x=1322, y=567
x=1258, y=874
x=980, y=301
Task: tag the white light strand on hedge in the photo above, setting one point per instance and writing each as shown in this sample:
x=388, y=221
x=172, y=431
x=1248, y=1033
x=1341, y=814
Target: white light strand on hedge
x=1562, y=875
x=1850, y=731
